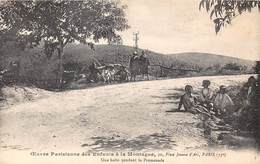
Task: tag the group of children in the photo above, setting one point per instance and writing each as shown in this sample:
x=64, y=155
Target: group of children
x=219, y=104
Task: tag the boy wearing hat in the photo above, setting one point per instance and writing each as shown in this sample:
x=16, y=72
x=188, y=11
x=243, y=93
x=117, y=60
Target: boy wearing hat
x=223, y=102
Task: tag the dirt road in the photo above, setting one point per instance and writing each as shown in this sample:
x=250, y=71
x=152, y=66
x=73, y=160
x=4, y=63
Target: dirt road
x=130, y=116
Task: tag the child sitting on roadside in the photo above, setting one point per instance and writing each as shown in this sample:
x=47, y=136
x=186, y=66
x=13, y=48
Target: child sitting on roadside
x=223, y=103
x=206, y=95
x=187, y=100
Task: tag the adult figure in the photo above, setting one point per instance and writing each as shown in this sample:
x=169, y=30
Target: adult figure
x=134, y=65
x=248, y=112
x=93, y=76
x=248, y=91
x=144, y=65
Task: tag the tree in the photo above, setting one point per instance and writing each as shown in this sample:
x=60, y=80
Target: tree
x=116, y=41
x=224, y=11
x=56, y=23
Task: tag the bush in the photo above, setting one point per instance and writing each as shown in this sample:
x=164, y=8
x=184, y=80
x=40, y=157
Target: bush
x=232, y=66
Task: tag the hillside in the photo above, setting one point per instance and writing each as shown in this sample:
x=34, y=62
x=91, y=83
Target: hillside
x=42, y=72
x=122, y=54
x=118, y=54
x=114, y=54
x=207, y=59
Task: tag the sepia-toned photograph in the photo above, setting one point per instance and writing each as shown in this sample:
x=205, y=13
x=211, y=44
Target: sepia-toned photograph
x=129, y=81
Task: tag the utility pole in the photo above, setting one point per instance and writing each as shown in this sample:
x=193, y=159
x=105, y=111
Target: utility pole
x=136, y=38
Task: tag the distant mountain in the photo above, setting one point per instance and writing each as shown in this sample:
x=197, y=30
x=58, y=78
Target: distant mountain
x=121, y=54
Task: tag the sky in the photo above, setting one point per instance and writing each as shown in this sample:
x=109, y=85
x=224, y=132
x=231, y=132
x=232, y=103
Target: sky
x=173, y=26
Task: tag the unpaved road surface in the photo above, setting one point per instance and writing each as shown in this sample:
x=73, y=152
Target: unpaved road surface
x=130, y=116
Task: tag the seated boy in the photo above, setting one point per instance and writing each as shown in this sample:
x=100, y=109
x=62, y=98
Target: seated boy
x=223, y=102
x=205, y=95
x=188, y=101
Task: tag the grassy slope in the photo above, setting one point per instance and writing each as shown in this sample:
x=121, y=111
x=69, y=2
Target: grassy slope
x=206, y=59
x=35, y=65
x=121, y=54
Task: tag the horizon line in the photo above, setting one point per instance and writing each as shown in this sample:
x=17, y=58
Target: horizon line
x=174, y=53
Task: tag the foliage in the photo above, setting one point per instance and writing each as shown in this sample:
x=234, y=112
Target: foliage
x=257, y=67
x=232, y=66
x=116, y=41
x=58, y=22
x=223, y=11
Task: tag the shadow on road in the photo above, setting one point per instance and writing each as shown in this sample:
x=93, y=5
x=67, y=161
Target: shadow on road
x=154, y=141
x=174, y=89
x=169, y=98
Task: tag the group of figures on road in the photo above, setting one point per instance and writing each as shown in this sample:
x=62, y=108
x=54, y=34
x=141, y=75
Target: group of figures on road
x=138, y=65
x=219, y=107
